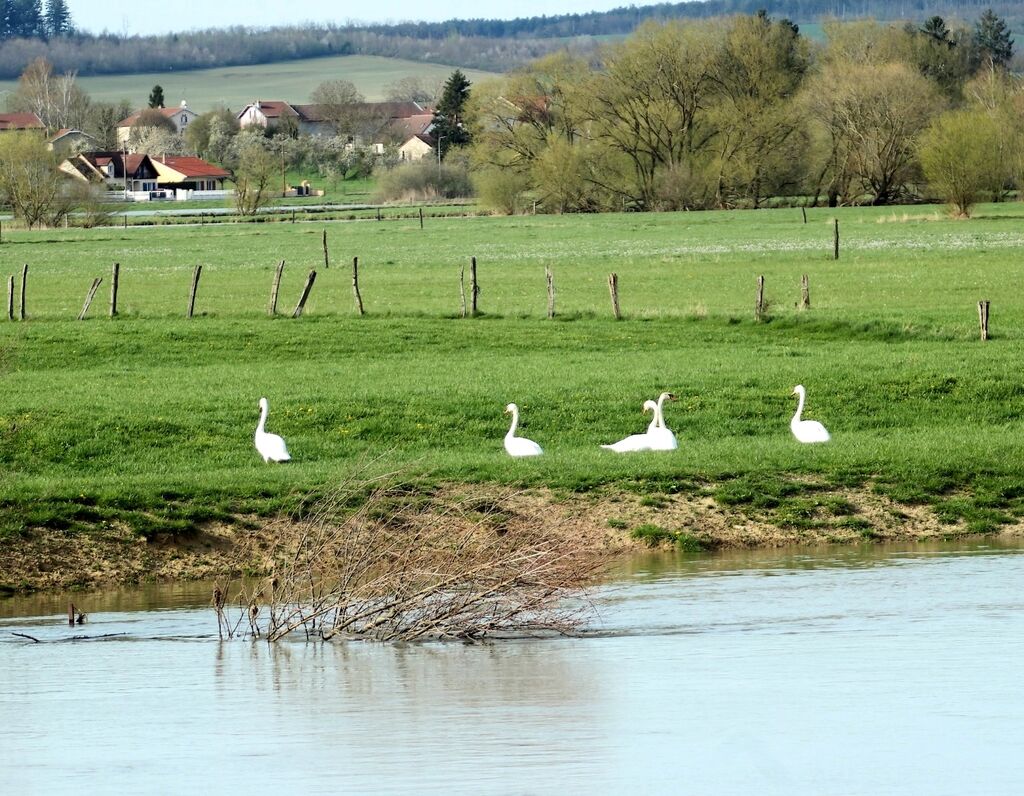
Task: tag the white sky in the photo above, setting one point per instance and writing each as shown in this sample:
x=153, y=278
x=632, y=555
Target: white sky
x=162, y=16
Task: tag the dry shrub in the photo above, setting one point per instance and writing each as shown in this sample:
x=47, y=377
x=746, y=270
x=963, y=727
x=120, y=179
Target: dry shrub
x=400, y=567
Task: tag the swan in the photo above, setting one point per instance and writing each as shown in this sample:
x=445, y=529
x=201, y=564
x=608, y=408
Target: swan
x=637, y=442
x=806, y=430
x=270, y=446
x=519, y=446
x=661, y=436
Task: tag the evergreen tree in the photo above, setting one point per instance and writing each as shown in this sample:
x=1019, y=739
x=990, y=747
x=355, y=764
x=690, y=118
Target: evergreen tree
x=992, y=39
x=27, y=18
x=449, y=129
x=156, y=97
x=58, y=19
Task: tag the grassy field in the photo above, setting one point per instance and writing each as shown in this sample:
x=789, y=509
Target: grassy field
x=235, y=86
x=148, y=418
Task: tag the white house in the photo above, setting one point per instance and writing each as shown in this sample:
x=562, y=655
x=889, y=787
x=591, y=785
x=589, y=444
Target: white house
x=181, y=117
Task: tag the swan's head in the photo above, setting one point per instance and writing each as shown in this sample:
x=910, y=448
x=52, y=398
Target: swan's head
x=650, y=406
x=263, y=403
x=511, y=408
x=799, y=390
x=667, y=396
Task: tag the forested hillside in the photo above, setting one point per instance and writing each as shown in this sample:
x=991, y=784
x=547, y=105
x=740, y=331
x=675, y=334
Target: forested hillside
x=29, y=30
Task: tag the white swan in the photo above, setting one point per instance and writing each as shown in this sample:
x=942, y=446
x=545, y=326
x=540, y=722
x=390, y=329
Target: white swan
x=270, y=446
x=637, y=442
x=519, y=446
x=660, y=436
x=806, y=430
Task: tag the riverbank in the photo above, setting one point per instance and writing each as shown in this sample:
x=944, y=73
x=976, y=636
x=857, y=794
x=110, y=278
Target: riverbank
x=608, y=521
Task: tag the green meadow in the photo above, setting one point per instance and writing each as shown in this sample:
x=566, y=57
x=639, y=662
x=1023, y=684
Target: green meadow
x=236, y=86
x=148, y=418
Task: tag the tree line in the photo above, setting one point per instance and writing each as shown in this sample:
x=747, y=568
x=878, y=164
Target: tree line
x=28, y=32
x=731, y=112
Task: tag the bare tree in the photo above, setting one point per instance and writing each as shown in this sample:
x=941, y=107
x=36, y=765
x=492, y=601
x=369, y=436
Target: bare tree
x=254, y=177
x=55, y=99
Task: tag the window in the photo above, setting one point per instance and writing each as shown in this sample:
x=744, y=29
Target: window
x=184, y=120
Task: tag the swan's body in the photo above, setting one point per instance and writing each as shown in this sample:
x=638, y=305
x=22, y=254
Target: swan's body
x=637, y=442
x=661, y=436
x=519, y=446
x=806, y=430
x=270, y=446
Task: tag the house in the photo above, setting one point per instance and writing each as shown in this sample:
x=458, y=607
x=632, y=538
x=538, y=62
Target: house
x=312, y=119
x=71, y=141
x=181, y=117
x=21, y=121
x=134, y=174
x=184, y=173
x=417, y=147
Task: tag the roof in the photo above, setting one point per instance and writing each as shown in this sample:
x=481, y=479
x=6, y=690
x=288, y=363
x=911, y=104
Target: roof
x=128, y=121
x=66, y=131
x=134, y=162
x=188, y=166
x=272, y=109
x=410, y=126
x=20, y=121
x=312, y=113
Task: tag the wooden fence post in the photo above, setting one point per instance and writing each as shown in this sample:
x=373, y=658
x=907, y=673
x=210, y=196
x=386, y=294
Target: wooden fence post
x=805, y=293
x=275, y=288
x=355, y=285
x=474, y=287
x=327, y=261
x=803, y=211
x=126, y=221
x=24, y=279
x=759, y=303
x=305, y=294
x=115, y=277
x=10, y=297
x=835, y=238
x=613, y=288
x=983, y=318
x=197, y=271
x=421, y=218
x=550, y=277
x=378, y=214
x=462, y=288
x=89, y=297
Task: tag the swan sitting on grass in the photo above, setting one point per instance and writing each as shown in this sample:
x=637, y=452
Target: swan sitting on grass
x=637, y=442
x=660, y=436
x=806, y=430
x=270, y=446
x=519, y=446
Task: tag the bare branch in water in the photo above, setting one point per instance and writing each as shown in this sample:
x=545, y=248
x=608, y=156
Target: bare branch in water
x=393, y=565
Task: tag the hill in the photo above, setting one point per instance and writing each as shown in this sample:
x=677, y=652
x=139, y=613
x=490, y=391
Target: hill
x=234, y=86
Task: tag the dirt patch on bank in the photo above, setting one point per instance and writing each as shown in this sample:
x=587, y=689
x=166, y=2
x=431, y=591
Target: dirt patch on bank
x=603, y=519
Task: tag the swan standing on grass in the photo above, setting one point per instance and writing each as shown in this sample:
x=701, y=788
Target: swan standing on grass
x=270, y=446
x=806, y=430
x=660, y=436
x=637, y=442
x=519, y=446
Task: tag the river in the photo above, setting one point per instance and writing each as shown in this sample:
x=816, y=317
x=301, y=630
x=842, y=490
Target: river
x=860, y=670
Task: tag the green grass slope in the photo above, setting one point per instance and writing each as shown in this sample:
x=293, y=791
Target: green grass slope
x=235, y=86
x=148, y=418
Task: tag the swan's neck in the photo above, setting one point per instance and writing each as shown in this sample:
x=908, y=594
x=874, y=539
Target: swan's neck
x=263, y=419
x=515, y=423
x=659, y=415
x=799, y=406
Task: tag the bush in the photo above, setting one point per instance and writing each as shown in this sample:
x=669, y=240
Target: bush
x=424, y=180
x=501, y=190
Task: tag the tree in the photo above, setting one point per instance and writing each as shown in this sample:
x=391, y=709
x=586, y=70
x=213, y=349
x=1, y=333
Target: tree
x=992, y=40
x=148, y=120
x=57, y=20
x=26, y=18
x=101, y=122
x=414, y=89
x=209, y=134
x=30, y=180
x=55, y=99
x=449, y=125
x=342, y=106
x=254, y=177
x=960, y=155
x=156, y=97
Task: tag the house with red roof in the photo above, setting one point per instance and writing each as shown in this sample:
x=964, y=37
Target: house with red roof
x=181, y=117
x=187, y=173
x=311, y=119
x=20, y=121
x=143, y=177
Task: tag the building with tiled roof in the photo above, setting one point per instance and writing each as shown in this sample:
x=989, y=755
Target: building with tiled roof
x=25, y=120
x=181, y=117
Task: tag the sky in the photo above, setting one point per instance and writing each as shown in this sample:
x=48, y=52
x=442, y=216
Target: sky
x=145, y=17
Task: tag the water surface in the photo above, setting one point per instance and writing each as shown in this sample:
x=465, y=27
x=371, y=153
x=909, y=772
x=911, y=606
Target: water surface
x=851, y=671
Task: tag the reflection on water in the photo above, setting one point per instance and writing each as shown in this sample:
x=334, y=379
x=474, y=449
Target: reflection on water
x=853, y=670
